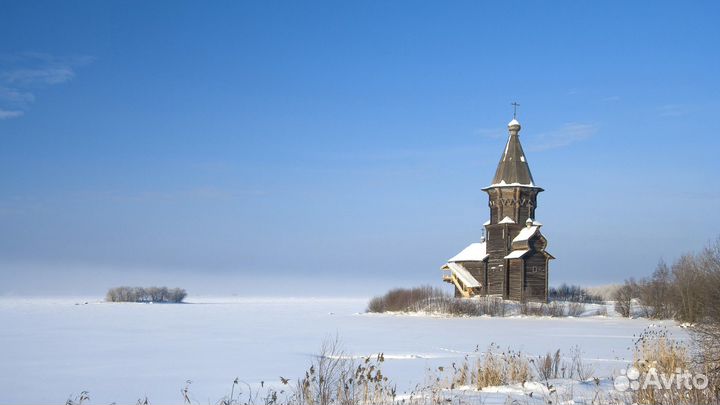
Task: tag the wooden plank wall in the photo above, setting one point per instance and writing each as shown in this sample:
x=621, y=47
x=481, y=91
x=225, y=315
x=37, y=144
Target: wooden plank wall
x=535, y=276
x=515, y=277
x=477, y=270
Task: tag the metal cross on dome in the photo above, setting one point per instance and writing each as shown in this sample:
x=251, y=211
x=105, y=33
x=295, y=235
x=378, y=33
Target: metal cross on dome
x=515, y=106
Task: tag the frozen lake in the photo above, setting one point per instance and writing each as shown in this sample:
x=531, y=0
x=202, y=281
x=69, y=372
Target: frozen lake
x=50, y=348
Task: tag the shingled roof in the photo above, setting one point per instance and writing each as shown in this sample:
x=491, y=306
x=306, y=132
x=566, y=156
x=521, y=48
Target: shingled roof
x=513, y=169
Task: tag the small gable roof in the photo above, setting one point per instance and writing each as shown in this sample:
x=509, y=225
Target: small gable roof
x=516, y=254
x=520, y=253
x=507, y=220
x=526, y=233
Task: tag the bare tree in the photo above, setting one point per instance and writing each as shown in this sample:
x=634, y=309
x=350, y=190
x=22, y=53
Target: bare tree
x=688, y=278
x=623, y=297
x=140, y=294
x=657, y=293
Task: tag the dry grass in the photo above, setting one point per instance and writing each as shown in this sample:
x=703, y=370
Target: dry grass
x=84, y=397
x=578, y=367
x=489, y=370
x=549, y=366
x=334, y=378
x=508, y=367
x=656, y=353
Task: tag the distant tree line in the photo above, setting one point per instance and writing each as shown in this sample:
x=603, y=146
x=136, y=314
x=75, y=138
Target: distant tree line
x=573, y=293
x=145, y=294
x=686, y=291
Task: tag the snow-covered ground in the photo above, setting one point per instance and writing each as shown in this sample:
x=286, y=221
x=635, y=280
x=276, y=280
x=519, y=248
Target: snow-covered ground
x=51, y=348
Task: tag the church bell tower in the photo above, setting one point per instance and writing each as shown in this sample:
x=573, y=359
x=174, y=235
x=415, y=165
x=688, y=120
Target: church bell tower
x=511, y=261
x=512, y=201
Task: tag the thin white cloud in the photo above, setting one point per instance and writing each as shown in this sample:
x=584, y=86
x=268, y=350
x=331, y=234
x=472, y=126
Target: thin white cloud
x=566, y=135
x=49, y=75
x=671, y=110
x=7, y=114
x=491, y=133
x=23, y=74
x=16, y=97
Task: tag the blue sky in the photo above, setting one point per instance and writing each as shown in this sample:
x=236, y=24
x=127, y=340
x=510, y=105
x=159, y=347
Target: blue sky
x=236, y=145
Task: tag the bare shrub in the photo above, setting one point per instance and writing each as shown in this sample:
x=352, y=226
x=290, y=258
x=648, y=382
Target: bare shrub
x=532, y=308
x=706, y=335
x=555, y=309
x=112, y=295
x=455, y=306
x=602, y=311
x=706, y=338
x=404, y=300
x=376, y=304
x=575, y=309
x=493, y=306
x=433, y=300
x=581, y=370
x=176, y=295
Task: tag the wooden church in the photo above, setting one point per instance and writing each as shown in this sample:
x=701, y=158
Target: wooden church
x=510, y=261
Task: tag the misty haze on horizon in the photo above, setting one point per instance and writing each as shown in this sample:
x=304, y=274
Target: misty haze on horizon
x=340, y=149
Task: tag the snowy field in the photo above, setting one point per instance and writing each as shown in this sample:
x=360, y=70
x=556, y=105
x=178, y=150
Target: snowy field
x=119, y=352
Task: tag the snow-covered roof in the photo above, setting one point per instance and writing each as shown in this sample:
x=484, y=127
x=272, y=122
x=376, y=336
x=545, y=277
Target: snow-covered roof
x=525, y=234
x=476, y=252
x=507, y=220
x=516, y=254
x=513, y=122
x=486, y=222
x=537, y=223
x=504, y=184
x=463, y=275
